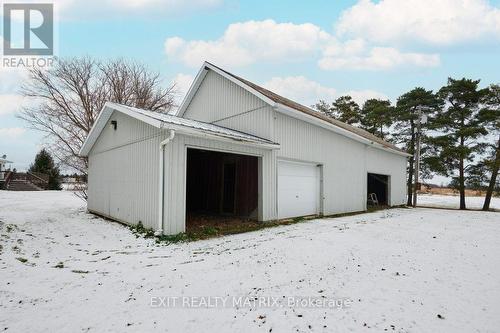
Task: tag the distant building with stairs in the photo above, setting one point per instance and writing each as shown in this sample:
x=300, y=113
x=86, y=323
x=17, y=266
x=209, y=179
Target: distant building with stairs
x=12, y=180
x=4, y=170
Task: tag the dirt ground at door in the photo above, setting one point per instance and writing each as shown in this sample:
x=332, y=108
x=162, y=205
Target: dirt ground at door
x=217, y=224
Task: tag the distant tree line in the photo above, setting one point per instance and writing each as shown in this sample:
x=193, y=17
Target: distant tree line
x=77, y=177
x=461, y=138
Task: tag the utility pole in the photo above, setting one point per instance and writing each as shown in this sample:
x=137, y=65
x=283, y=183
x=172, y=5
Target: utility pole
x=421, y=119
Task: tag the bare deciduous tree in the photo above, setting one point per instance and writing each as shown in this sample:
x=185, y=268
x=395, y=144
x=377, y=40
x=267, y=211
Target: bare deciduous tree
x=67, y=98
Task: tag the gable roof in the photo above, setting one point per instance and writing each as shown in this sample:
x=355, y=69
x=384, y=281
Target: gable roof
x=168, y=121
x=284, y=104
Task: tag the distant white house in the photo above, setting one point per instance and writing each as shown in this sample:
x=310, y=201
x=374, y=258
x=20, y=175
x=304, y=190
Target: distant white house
x=3, y=166
x=234, y=148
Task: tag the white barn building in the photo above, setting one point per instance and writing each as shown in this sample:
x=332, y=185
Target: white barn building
x=234, y=148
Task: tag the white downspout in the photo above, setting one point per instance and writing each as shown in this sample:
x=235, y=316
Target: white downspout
x=161, y=169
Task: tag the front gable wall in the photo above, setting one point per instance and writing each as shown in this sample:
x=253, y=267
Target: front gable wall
x=224, y=103
x=128, y=131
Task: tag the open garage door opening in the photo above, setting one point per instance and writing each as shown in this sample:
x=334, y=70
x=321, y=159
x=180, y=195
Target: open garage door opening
x=220, y=188
x=378, y=189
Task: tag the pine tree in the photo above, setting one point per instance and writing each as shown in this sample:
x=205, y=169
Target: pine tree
x=45, y=164
x=491, y=117
x=405, y=126
x=376, y=114
x=343, y=108
x=324, y=108
x=346, y=110
x=460, y=127
x=477, y=176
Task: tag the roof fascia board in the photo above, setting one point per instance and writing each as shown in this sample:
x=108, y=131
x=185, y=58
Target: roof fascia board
x=139, y=116
x=316, y=121
x=109, y=108
x=219, y=137
x=96, y=129
x=102, y=120
x=192, y=91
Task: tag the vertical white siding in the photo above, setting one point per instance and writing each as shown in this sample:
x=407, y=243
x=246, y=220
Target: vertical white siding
x=224, y=103
x=385, y=163
x=345, y=163
x=123, y=172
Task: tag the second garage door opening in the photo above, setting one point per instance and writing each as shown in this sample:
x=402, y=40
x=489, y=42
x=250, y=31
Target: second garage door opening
x=220, y=186
x=378, y=189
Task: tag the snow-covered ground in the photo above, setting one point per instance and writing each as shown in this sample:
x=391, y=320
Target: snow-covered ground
x=394, y=270
x=447, y=201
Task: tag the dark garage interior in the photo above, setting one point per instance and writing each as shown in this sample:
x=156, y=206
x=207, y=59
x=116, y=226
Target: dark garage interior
x=378, y=185
x=220, y=186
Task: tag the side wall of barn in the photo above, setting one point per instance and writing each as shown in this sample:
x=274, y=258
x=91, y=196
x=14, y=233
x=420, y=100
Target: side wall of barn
x=344, y=161
x=123, y=172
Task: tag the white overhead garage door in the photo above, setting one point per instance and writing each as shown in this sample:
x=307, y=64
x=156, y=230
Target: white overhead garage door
x=298, y=189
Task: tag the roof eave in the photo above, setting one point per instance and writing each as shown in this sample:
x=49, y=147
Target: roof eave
x=192, y=91
x=102, y=120
x=218, y=136
x=316, y=121
x=109, y=108
x=94, y=131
